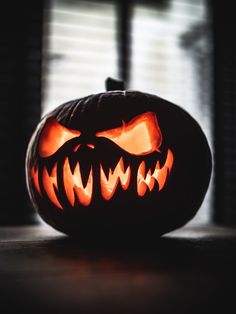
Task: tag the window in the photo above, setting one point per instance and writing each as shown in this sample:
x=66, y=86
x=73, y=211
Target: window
x=80, y=50
x=171, y=57
x=170, y=54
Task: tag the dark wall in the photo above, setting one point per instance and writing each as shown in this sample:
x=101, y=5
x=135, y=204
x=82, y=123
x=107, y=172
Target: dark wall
x=224, y=28
x=20, y=97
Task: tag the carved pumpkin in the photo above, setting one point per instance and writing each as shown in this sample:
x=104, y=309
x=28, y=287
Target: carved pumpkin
x=126, y=163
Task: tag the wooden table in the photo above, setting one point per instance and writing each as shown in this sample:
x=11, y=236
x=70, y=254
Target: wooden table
x=191, y=270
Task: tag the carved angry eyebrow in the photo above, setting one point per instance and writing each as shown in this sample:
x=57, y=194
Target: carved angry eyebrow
x=53, y=136
x=141, y=135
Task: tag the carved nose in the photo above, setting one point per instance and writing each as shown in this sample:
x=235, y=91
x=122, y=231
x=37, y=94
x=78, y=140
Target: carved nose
x=91, y=146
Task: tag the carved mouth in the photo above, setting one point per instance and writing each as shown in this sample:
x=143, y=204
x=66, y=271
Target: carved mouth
x=147, y=179
x=79, y=189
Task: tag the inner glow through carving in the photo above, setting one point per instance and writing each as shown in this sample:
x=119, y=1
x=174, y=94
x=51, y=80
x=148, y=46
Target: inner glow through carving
x=74, y=186
x=147, y=179
x=109, y=184
x=53, y=136
x=35, y=177
x=50, y=184
x=140, y=136
x=76, y=190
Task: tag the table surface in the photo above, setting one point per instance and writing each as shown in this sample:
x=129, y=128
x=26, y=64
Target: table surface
x=190, y=270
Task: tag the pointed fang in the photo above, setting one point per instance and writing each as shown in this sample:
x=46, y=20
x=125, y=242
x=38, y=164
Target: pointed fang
x=109, y=183
x=50, y=185
x=74, y=186
x=35, y=176
x=147, y=179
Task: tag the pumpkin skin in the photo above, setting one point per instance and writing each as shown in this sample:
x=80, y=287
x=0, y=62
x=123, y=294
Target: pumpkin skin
x=95, y=145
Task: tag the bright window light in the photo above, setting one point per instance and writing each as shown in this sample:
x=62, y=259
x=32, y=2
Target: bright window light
x=80, y=50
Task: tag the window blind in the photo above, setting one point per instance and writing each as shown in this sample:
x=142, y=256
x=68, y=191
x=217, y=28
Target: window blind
x=80, y=51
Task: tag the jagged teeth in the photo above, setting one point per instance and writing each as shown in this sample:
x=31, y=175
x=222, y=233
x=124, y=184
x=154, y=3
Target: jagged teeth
x=146, y=180
x=109, y=183
x=35, y=177
x=74, y=186
x=158, y=166
x=82, y=190
x=49, y=181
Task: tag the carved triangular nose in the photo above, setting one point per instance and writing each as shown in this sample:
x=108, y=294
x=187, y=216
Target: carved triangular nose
x=90, y=146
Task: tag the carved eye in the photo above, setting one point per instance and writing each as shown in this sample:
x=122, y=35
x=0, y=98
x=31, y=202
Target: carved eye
x=53, y=136
x=140, y=136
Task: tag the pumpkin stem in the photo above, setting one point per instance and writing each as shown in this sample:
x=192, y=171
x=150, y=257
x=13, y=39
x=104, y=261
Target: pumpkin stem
x=112, y=84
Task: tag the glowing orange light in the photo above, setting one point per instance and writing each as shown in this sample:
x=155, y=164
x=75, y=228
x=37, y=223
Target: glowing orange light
x=50, y=184
x=140, y=136
x=76, y=147
x=91, y=146
x=109, y=185
x=34, y=175
x=53, y=136
x=74, y=186
x=147, y=179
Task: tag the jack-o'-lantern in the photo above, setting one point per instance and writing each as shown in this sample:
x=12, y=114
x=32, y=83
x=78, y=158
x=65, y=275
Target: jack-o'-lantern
x=119, y=162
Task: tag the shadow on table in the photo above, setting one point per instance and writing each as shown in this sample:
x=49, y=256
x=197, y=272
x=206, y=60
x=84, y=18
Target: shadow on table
x=168, y=275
